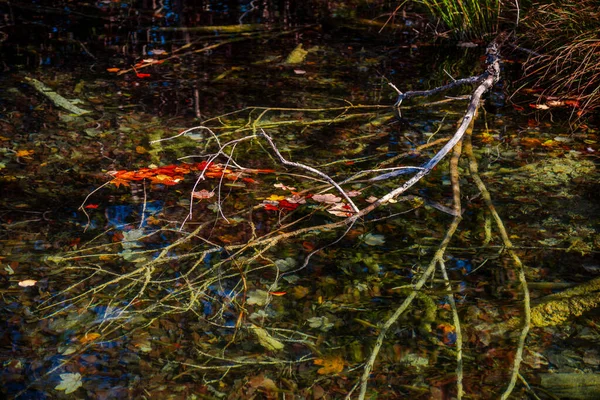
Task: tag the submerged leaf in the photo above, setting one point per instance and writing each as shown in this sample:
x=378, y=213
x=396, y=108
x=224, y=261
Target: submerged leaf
x=25, y=153
x=89, y=337
x=320, y=322
x=286, y=264
x=331, y=365
x=373, y=240
x=297, y=55
x=258, y=297
x=265, y=339
x=69, y=382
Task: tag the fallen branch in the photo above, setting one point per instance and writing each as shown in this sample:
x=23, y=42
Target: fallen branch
x=487, y=80
x=56, y=98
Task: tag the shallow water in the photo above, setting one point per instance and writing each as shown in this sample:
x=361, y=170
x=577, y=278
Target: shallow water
x=142, y=295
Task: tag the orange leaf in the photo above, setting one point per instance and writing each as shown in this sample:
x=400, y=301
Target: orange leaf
x=331, y=365
x=166, y=179
x=573, y=103
x=89, y=337
x=24, y=153
x=278, y=294
x=118, y=182
x=530, y=142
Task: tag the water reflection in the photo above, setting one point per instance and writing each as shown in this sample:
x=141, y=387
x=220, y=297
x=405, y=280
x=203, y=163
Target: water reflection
x=165, y=303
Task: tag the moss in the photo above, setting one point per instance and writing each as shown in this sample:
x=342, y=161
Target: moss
x=571, y=303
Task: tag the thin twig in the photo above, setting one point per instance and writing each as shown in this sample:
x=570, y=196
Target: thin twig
x=311, y=169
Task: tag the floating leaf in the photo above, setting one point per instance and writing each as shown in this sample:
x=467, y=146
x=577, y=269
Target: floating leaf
x=286, y=205
x=282, y=186
x=69, y=382
x=296, y=199
x=341, y=210
x=327, y=198
x=203, y=194
x=275, y=197
x=118, y=182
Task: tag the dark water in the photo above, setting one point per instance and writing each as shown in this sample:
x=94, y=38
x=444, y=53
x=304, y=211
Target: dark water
x=143, y=296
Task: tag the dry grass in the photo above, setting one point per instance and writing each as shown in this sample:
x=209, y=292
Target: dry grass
x=567, y=63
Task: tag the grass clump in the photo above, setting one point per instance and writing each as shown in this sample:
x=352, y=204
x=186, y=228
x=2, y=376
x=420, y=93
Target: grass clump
x=466, y=19
x=566, y=61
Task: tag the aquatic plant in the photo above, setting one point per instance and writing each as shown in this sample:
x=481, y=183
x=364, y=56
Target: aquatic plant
x=466, y=19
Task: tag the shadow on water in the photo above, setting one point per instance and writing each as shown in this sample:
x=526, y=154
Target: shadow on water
x=129, y=304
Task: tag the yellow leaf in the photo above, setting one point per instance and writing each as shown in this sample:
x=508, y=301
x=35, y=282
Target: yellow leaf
x=331, y=365
x=274, y=197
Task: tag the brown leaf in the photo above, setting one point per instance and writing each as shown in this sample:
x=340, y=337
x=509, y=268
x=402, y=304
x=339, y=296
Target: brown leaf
x=326, y=198
x=202, y=194
x=260, y=381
